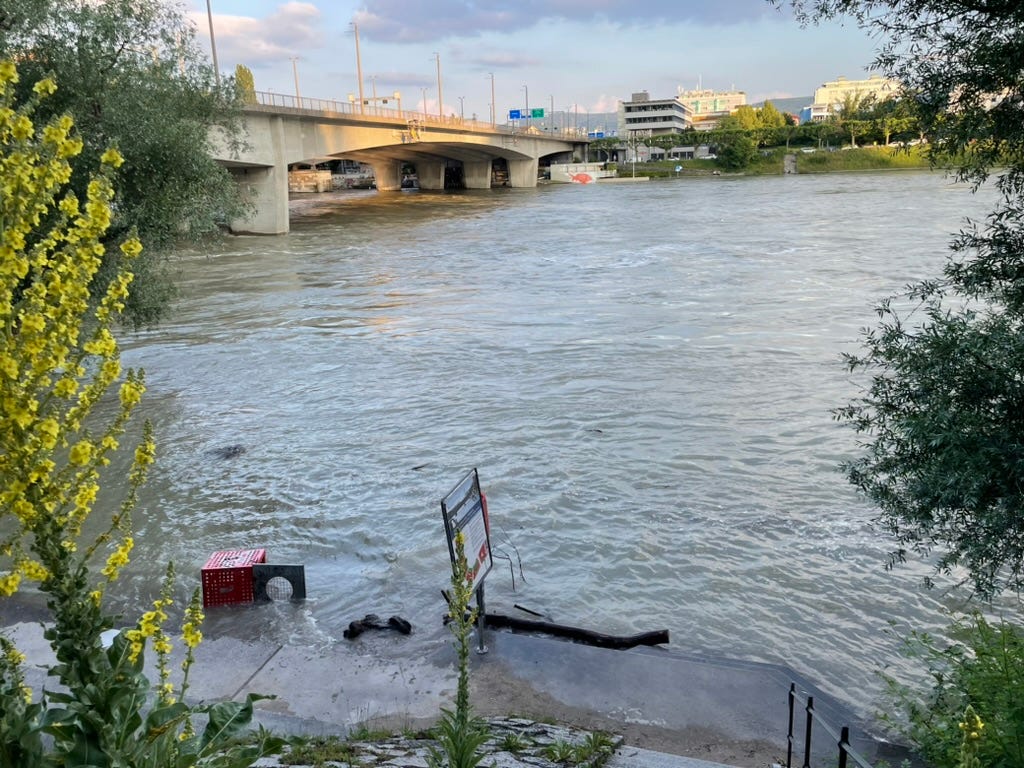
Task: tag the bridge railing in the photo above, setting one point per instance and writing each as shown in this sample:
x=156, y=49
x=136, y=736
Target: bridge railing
x=376, y=112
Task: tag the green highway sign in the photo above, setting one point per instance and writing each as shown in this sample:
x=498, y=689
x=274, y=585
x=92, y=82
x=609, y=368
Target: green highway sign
x=536, y=113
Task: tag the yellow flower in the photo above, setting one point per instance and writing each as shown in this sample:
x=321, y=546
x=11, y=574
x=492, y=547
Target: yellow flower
x=81, y=453
x=118, y=559
x=8, y=72
x=33, y=570
x=45, y=87
x=191, y=635
x=112, y=157
x=9, y=583
x=22, y=128
x=131, y=247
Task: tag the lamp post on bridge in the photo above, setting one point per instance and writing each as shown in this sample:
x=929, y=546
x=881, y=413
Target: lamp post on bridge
x=462, y=108
x=440, y=98
x=493, y=107
x=424, y=90
x=295, y=73
x=359, y=66
x=527, y=89
x=213, y=46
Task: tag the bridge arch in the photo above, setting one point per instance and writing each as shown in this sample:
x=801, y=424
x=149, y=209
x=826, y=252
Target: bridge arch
x=279, y=137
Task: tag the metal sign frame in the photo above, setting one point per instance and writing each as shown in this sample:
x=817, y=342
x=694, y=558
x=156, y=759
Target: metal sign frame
x=465, y=509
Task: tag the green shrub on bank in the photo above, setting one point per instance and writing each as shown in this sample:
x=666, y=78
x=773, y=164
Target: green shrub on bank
x=976, y=686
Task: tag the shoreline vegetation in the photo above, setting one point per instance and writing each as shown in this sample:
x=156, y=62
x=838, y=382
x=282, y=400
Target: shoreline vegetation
x=771, y=162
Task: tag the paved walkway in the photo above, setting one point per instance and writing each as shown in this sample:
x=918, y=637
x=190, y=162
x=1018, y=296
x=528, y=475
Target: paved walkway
x=730, y=711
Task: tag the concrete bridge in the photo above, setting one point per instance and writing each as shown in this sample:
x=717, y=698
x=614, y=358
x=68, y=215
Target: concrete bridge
x=470, y=154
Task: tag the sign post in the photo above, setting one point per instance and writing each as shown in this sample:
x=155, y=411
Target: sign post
x=465, y=509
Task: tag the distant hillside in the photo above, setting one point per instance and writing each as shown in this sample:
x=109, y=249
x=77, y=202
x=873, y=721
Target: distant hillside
x=595, y=121
x=792, y=105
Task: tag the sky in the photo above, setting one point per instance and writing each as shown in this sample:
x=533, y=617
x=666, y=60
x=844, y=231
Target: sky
x=580, y=56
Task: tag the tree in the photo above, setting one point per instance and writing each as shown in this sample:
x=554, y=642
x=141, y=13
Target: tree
x=769, y=117
x=736, y=151
x=246, y=84
x=132, y=76
x=942, y=417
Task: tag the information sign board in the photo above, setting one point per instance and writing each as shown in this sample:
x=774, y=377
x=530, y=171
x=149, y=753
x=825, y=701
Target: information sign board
x=514, y=114
x=537, y=112
x=465, y=509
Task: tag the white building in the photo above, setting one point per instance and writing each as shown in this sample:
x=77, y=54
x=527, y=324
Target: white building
x=830, y=96
x=687, y=109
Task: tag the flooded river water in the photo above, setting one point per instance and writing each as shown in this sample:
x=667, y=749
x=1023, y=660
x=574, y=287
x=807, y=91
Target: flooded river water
x=642, y=373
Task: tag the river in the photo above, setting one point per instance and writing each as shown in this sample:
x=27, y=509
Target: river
x=642, y=373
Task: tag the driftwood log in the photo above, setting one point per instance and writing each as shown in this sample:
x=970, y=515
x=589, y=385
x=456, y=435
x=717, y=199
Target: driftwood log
x=499, y=621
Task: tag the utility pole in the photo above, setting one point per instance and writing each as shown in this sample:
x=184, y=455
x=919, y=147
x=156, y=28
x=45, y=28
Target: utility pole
x=462, y=108
x=359, y=67
x=440, y=98
x=295, y=73
x=551, y=117
x=213, y=46
x=493, y=105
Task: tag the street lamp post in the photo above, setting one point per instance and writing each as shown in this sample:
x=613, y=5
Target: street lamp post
x=295, y=73
x=526, y=88
x=359, y=66
x=440, y=97
x=462, y=108
x=398, y=98
x=213, y=46
x=491, y=75
x=424, y=90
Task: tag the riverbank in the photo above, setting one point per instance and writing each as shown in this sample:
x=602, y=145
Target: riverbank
x=808, y=160
x=719, y=710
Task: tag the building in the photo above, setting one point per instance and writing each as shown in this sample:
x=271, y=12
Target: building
x=699, y=109
x=830, y=96
x=707, y=107
x=655, y=117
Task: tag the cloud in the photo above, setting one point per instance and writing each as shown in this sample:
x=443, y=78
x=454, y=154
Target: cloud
x=493, y=58
x=402, y=21
x=291, y=29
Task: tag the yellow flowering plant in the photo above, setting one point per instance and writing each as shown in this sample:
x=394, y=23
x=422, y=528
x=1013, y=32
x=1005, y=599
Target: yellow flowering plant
x=460, y=734
x=58, y=359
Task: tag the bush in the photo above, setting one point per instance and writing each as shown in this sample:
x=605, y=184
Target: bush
x=58, y=359
x=982, y=668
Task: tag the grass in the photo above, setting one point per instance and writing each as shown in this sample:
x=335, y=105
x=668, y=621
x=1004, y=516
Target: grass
x=770, y=161
x=317, y=751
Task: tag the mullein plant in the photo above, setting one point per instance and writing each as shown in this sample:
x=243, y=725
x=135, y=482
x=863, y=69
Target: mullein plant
x=58, y=358
x=460, y=734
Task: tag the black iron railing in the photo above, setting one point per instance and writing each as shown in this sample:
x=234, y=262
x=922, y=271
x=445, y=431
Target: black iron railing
x=842, y=739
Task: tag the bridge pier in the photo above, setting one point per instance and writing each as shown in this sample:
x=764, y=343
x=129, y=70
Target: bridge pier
x=523, y=173
x=430, y=174
x=477, y=175
x=387, y=175
x=267, y=191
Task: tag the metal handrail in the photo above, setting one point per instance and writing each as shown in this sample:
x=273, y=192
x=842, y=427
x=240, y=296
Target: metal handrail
x=842, y=738
x=374, y=111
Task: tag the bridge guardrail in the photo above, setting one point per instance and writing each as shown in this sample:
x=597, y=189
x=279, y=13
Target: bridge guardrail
x=374, y=111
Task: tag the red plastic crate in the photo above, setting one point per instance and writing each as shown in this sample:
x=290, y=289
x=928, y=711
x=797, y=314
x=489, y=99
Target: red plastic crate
x=227, y=576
